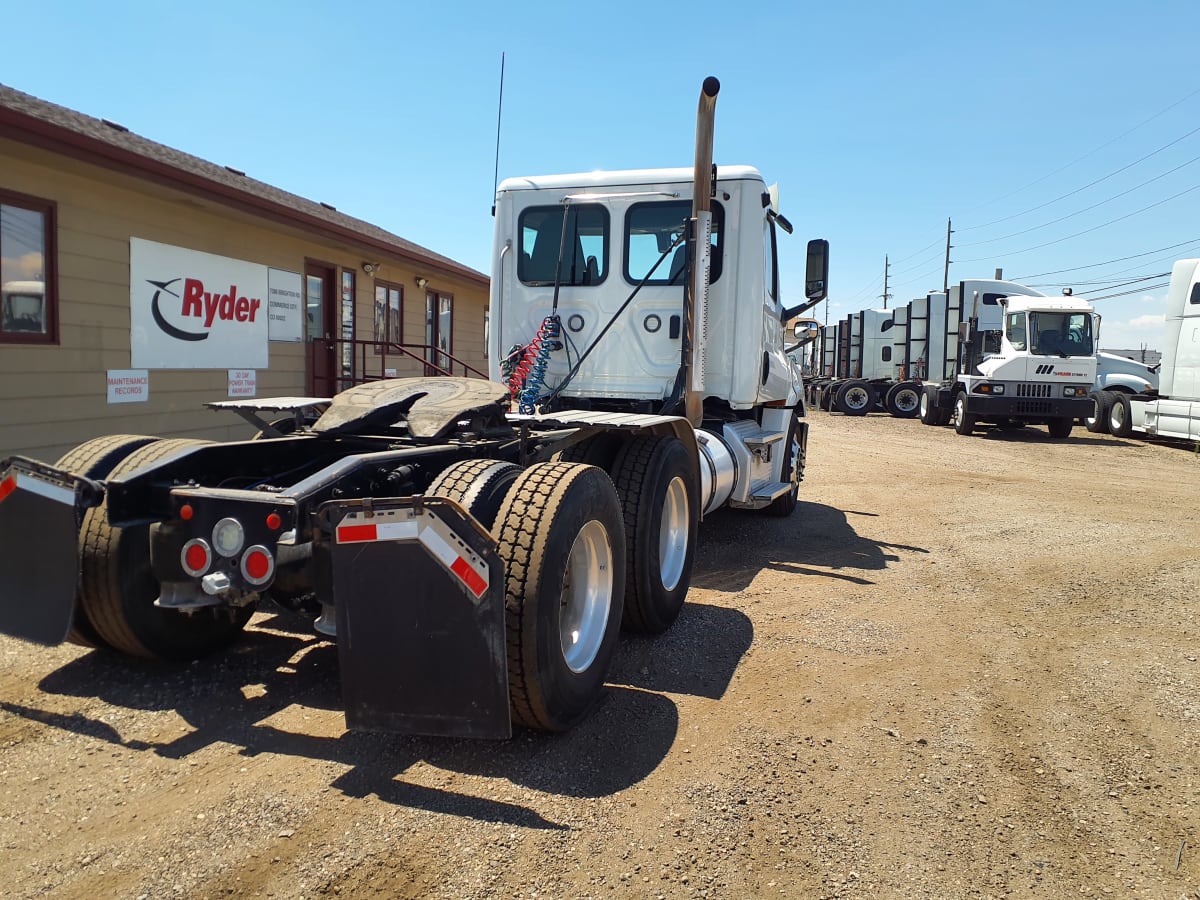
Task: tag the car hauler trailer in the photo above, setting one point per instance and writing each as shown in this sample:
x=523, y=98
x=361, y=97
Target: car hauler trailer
x=1173, y=409
x=474, y=564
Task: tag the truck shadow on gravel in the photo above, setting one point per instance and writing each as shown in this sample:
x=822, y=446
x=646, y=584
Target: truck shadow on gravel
x=251, y=696
x=816, y=540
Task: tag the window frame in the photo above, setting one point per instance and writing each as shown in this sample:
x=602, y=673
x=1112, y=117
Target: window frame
x=716, y=256
x=49, y=211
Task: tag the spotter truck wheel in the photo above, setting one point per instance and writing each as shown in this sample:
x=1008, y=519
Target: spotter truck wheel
x=477, y=485
x=1060, y=428
x=118, y=588
x=563, y=547
x=964, y=422
x=654, y=482
x=96, y=459
x=793, y=472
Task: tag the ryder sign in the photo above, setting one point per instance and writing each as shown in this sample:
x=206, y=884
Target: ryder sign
x=192, y=310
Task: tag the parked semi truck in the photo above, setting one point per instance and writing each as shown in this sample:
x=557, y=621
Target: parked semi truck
x=472, y=561
x=1171, y=407
x=986, y=350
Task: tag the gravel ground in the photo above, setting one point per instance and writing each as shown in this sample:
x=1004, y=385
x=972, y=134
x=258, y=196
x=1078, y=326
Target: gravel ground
x=966, y=667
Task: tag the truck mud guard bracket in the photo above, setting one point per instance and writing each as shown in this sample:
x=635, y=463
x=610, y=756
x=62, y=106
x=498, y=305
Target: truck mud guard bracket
x=40, y=510
x=419, y=592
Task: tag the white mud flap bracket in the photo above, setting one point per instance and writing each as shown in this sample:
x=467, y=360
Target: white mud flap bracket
x=419, y=593
x=40, y=510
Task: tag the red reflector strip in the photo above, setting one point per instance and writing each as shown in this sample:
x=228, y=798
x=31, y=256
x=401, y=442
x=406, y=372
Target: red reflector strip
x=7, y=486
x=469, y=577
x=353, y=534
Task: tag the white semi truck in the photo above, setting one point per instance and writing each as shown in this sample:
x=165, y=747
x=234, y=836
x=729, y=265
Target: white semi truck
x=1171, y=408
x=982, y=351
x=473, y=561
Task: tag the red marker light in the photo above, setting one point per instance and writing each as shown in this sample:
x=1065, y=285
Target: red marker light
x=274, y=522
x=186, y=512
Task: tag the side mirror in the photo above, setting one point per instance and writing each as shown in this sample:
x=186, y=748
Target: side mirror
x=816, y=276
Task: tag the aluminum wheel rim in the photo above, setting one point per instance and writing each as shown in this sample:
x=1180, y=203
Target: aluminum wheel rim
x=856, y=398
x=586, y=597
x=960, y=407
x=1118, y=414
x=906, y=400
x=673, y=534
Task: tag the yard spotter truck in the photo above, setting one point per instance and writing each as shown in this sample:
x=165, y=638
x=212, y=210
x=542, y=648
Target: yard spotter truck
x=987, y=350
x=1170, y=406
x=473, y=563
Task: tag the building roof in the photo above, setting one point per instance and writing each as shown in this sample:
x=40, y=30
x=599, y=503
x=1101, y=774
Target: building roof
x=30, y=120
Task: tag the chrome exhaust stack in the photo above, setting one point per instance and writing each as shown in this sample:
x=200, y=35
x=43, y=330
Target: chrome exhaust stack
x=699, y=256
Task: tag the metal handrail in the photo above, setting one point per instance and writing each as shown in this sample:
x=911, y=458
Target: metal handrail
x=365, y=360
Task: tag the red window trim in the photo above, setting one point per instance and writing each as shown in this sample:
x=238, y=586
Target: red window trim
x=49, y=209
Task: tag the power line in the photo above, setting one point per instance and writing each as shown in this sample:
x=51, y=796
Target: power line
x=1086, y=230
x=1141, y=290
x=1109, y=262
x=1086, y=155
x=1123, y=284
x=1085, y=209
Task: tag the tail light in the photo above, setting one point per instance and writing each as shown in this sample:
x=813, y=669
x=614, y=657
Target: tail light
x=196, y=557
x=258, y=565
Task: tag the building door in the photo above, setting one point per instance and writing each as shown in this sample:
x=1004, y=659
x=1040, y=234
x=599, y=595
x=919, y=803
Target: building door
x=320, y=312
x=439, y=331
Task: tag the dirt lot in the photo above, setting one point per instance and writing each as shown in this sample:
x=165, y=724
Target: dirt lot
x=967, y=667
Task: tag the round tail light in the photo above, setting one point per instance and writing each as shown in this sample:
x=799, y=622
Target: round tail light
x=258, y=565
x=196, y=557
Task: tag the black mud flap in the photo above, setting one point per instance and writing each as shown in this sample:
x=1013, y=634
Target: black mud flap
x=419, y=591
x=40, y=508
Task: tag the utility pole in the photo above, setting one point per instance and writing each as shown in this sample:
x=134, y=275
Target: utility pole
x=886, y=295
x=946, y=270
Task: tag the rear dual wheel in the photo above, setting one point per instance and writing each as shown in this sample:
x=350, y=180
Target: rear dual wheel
x=854, y=398
x=96, y=459
x=903, y=400
x=561, y=534
x=118, y=587
x=1097, y=422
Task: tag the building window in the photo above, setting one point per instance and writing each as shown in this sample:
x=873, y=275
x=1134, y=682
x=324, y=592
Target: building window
x=347, y=328
x=28, y=305
x=389, y=309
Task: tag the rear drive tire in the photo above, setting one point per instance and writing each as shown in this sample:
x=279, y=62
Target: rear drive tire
x=903, y=400
x=1097, y=422
x=96, y=459
x=660, y=508
x=964, y=422
x=1120, y=416
x=563, y=545
x=118, y=587
x=477, y=485
x=855, y=398
x=599, y=450
x=1060, y=428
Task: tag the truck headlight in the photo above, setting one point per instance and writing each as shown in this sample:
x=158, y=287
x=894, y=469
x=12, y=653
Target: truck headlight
x=1072, y=391
x=990, y=388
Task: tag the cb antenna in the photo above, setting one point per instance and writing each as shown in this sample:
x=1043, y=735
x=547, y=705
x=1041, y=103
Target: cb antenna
x=499, y=111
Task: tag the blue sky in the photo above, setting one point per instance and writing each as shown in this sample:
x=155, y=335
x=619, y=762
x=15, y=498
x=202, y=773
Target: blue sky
x=879, y=121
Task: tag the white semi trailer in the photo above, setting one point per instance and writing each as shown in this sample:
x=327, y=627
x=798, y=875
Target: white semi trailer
x=1173, y=409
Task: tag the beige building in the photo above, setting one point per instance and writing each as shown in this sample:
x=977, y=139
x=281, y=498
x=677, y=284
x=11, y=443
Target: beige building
x=140, y=282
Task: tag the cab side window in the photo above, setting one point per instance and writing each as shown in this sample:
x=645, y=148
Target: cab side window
x=1014, y=327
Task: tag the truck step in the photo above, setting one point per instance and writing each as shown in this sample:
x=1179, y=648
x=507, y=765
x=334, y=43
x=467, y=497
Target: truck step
x=769, y=490
x=756, y=439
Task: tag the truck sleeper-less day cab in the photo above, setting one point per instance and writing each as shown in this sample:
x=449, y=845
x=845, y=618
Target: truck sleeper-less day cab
x=473, y=563
x=1171, y=410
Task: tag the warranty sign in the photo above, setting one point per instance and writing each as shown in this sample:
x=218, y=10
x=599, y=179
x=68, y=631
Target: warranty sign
x=193, y=310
